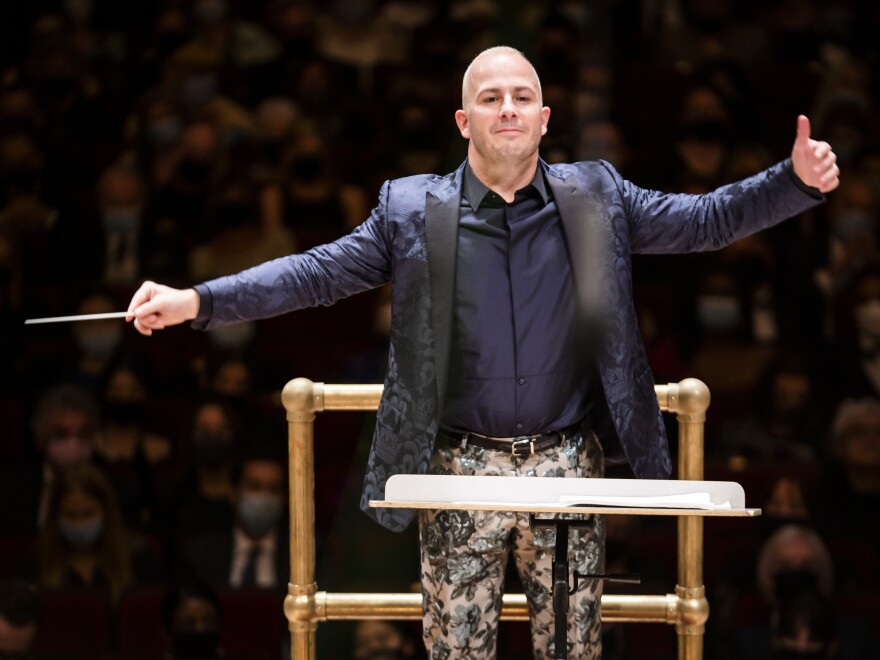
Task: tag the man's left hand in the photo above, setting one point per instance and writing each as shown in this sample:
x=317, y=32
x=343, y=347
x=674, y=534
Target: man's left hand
x=814, y=162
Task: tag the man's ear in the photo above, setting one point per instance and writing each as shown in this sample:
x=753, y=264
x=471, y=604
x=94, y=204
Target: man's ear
x=545, y=119
x=461, y=121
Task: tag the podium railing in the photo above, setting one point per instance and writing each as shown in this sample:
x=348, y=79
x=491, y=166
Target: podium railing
x=687, y=609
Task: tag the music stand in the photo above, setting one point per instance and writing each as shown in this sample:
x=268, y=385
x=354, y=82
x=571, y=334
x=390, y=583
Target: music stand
x=535, y=495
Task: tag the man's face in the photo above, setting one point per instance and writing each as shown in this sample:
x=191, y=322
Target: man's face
x=502, y=115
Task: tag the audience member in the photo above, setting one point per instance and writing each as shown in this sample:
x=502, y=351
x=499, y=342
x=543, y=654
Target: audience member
x=384, y=640
x=253, y=551
x=19, y=619
x=191, y=618
x=85, y=543
x=65, y=423
x=201, y=499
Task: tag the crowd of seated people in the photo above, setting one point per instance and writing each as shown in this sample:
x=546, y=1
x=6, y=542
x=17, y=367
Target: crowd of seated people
x=180, y=140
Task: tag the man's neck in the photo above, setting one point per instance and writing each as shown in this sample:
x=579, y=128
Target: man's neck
x=504, y=178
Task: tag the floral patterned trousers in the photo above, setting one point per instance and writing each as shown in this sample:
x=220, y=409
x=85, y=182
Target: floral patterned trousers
x=464, y=558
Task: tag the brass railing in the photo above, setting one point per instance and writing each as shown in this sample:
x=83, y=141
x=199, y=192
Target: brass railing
x=305, y=606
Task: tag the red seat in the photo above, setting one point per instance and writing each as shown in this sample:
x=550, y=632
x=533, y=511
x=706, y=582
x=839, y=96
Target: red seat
x=141, y=634
x=253, y=624
x=75, y=624
x=13, y=552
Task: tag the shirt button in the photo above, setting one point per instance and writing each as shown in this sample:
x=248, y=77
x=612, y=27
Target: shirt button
x=519, y=426
x=522, y=381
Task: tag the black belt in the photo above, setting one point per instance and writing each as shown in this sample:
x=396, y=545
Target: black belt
x=519, y=446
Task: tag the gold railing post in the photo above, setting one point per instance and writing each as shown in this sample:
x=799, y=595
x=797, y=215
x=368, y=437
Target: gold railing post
x=689, y=399
x=301, y=398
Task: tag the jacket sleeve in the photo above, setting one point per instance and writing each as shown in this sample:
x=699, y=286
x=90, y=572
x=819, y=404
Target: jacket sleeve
x=321, y=276
x=669, y=223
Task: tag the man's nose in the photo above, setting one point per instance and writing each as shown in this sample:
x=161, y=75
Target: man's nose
x=508, y=108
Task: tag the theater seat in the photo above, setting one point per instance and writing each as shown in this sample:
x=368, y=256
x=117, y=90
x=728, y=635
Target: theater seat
x=253, y=624
x=75, y=625
x=141, y=636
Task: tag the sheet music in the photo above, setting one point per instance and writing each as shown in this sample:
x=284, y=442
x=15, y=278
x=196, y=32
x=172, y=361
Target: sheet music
x=682, y=501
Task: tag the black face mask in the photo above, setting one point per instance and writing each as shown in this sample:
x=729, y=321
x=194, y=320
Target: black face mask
x=306, y=168
x=789, y=654
x=124, y=413
x=195, y=645
x=787, y=584
x=193, y=172
x=213, y=448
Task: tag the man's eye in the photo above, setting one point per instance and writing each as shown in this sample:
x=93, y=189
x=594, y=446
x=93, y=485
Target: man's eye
x=490, y=99
x=524, y=99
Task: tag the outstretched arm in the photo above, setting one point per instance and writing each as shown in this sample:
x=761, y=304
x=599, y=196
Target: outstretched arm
x=814, y=162
x=156, y=306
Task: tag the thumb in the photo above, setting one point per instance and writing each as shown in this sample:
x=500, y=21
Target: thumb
x=803, y=131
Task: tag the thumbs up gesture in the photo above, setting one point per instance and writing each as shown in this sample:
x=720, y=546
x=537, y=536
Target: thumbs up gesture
x=814, y=162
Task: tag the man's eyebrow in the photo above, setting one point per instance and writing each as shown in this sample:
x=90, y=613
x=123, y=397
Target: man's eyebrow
x=497, y=90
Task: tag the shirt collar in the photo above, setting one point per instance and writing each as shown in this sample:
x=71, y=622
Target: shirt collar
x=243, y=542
x=475, y=191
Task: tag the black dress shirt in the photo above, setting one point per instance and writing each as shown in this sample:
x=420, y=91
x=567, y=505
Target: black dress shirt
x=512, y=370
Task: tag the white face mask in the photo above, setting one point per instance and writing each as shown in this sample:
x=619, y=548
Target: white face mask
x=868, y=318
x=717, y=312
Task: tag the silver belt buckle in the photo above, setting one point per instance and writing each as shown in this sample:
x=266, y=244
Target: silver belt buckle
x=522, y=447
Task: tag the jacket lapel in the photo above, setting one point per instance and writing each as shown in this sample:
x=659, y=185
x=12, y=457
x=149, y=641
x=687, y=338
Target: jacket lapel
x=441, y=237
x=584, y=236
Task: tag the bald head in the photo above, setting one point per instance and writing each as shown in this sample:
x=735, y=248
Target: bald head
x=469, y=82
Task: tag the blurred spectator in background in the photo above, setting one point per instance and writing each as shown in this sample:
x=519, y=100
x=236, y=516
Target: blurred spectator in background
x=19, y=619
x=236, y=237
x=794, y=558
x=201, y=499
x=133, y=456
x=783, y=423
x=85, y=543
x=191, y=618
x=850, y=493
x=805, y=627
x=384, y=640
x=98, y=343
x=253, y=551
x=65, y=423
x=855, y=365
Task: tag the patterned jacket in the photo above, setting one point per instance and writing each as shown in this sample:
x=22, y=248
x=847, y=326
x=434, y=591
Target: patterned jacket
x=410, y=239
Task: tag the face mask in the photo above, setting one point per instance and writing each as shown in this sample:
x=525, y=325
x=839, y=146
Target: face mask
x=121, y=220
x=63, y=453
x=258, y=513
x=306, y=168
x=852, y=222
x=165, y=132
x=100, y=342
x=789, y=654
x=789, y=583
x=212, y=448
x=193, y=172
x=868, y=318
x=82, y=534
x=124, y=412
x=210, y=11
x=199, y=90
x=233, y=337
x=195, y=645
x=719, y=313
x=78, y=10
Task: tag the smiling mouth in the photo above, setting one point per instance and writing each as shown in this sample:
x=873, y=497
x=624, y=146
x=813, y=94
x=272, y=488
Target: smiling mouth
x=509, y=130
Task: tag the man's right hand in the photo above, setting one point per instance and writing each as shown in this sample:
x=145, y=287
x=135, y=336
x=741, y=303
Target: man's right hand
x=156, y=306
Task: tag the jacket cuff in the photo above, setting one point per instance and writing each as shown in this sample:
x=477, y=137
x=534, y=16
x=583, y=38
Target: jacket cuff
x=815, y=193
x=206, y=307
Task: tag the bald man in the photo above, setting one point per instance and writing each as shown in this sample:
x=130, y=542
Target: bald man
x=514, y=342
